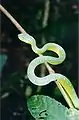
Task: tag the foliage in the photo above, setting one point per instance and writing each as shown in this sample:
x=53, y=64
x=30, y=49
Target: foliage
x=46, y=108
x=3, y=59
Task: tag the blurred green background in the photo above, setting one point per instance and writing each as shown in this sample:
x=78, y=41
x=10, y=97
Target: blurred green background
x=61, y=27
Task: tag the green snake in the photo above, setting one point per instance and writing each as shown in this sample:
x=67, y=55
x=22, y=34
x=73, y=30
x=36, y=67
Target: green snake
x=64, y=83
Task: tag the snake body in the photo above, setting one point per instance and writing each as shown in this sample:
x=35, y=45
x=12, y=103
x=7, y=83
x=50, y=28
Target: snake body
x=41, y=81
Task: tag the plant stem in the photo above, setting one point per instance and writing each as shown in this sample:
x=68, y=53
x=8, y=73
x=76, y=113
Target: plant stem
x=18, y=26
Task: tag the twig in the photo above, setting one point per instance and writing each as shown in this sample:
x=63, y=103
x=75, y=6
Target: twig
x=44, y=24
x=18, y=26
x=46, y=13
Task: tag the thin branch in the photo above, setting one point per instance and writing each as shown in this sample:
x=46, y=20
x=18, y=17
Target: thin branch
x=44, y=24
x=46, y=13
x=18, y=26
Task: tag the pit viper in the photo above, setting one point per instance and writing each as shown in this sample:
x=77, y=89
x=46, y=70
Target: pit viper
x=67, y=88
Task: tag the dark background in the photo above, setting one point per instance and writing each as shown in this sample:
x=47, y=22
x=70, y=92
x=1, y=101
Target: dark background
x=61, y=28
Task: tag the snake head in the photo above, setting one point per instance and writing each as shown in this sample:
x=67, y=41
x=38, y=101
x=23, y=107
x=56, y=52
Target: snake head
x=26, y=38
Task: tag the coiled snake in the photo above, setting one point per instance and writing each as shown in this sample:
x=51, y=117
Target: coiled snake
x=41, y=81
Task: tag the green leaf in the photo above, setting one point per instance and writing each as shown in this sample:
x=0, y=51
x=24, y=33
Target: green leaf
x=3, y=59
x=45, y=108
x=73, y=114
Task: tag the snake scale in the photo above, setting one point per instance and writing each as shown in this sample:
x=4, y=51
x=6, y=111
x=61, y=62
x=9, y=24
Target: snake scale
x=41, y=81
